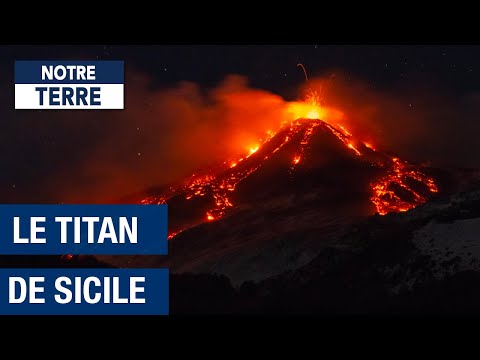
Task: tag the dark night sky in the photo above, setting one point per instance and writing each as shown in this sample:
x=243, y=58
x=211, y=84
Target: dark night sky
x=273, y=67
x=36, y=147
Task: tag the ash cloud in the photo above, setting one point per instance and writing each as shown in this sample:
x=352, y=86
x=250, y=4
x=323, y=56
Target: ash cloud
x=164, y=135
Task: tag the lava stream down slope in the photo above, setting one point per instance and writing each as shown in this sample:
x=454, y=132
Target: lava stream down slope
x=395, y=185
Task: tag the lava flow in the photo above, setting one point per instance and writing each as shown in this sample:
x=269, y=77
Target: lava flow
x=402, y=187
x=400, y=178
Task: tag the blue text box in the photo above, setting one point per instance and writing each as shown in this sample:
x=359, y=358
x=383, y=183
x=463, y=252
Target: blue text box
x=148, y=285
x=106, y=72
x=151, y=229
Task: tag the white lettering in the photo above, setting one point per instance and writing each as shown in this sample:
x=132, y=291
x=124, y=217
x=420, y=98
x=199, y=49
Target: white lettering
x=34, y=230
x=63, y=220
x=63, y=290
x=16, y=232
x=12, y=281
x=125, y=228
x=47, y=72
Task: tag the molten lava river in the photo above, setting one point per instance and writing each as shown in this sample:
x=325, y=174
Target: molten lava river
x=395, y=191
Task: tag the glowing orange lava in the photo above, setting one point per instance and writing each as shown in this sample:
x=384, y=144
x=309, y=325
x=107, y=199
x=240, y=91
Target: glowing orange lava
x=352, y=147
x=401, y=175
x=308, y=109
x=304, y=117
x=173, y=234
x=253, y=150
x=370, y=146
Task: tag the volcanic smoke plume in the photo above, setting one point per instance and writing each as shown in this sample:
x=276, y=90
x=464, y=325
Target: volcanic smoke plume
x=165, y=135
x=201, y=147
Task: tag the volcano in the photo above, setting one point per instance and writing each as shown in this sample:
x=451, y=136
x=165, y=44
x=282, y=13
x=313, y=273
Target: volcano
x=274, y=208
x=303, y=154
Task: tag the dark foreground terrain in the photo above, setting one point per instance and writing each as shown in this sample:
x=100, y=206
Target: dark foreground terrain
x=301, y=241
x=426, y=261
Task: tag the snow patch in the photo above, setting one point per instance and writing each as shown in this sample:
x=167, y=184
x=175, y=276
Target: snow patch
x=452, y=247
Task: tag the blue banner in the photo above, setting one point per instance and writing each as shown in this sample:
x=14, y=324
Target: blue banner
x=83, y=229
x=84, y=292
x=69, y=72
